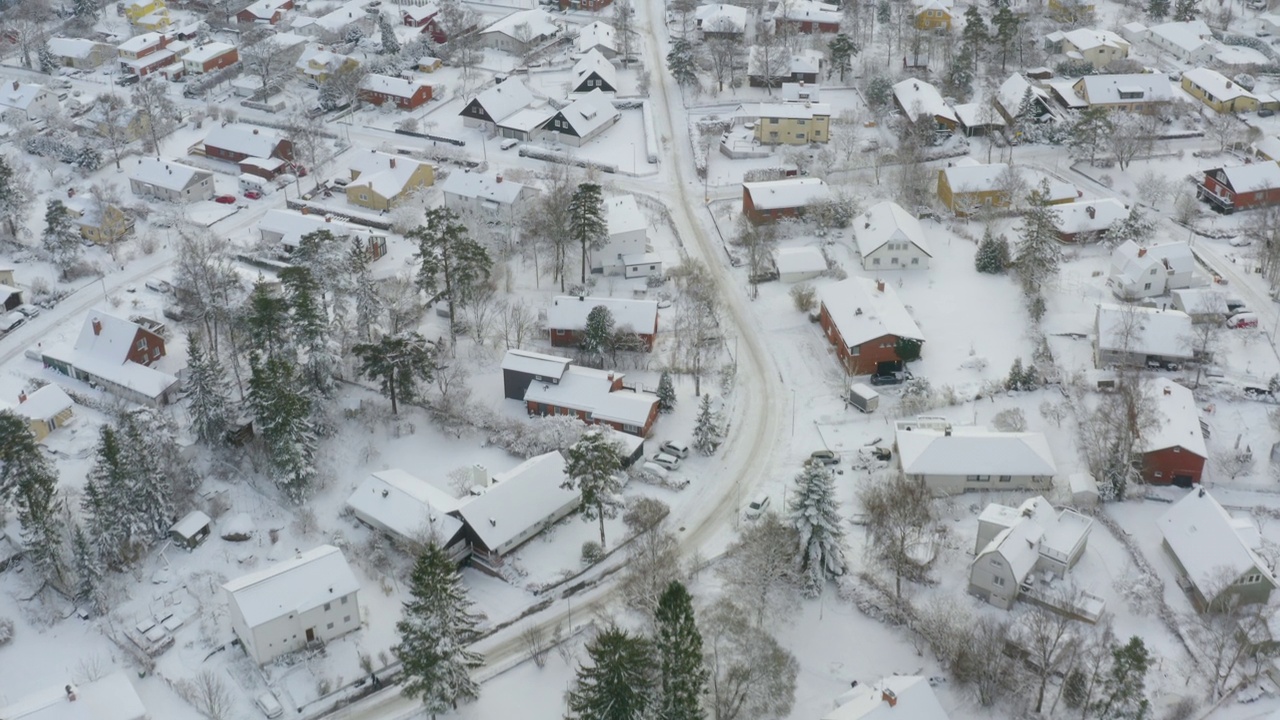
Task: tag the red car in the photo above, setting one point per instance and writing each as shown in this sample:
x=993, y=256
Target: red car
x=1242, y=321
x=225, y=199
x=253, y=194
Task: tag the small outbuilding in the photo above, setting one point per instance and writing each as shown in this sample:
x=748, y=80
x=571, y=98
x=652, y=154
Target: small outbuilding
x=799, y=263
x=191, y=530
x=1084, y=490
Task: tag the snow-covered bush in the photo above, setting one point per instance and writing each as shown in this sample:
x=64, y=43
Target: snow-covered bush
x=591, y=552
x=1010, y=420
x=6, y=631
x=804, y=296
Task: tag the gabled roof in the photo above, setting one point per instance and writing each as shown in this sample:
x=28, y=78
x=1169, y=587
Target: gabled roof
x=1186, y=36
x=389, y=85
x=344, y=15
x=1130, y=263
x=518, y=500
x=971, y=450
x=408, y=506
x=105, y=355
x=44, y=403
x=722, y=18
x=255, y=142
x=111, y=697
x=596, y=35
x=420, y=13
x=787, y=110
x=1203, y=538
x=1106, y=89
x=1019, y=545
x=810, y=11
x=588, y=113
x=296, y=585
x=622, y=215
x=1013, y=89
x=533, y=363
x=1060, y=530
x=1252, y=178
x=1089, y=215
x=504, y=99
x=540, y=23
x=208, y=51
x=913, y=699
x=1085, y=39
x=864, y=309
x=975, y=177
x=1216, y=84
x=917, y=97
x=1161, y=332
x=594, y=62
x=799, y=260
x=264, y=8
x=140, y=42
x=74, y=47
x=568, y=312
x=486, y=186
x=589, y=390
x=1179, y=419
x=113, y=340
x=385, y=174
x=887, y=221
x=21, y=97
x=787, y=193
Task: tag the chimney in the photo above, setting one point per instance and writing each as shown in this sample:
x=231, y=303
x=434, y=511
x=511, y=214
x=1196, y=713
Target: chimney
x=15, y=87
x=71, y=693
x=880, y=285
x=1168, y=391
x=499, y=178
x=1201, y=492
x=255, y=131
x=947, y=431
x=97, y=326
x=1142, y=252
x=393, y=163
x=328, y=218
x=581, y=298
x=888, y=696
x=1092, y=212
x=610, y=377
x=22, y=397
x=385, y=492
x=493, y=523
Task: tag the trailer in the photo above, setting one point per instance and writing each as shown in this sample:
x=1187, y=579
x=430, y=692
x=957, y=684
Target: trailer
x=863, y=397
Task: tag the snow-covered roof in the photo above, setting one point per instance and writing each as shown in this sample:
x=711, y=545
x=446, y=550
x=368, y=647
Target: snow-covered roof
x=800, y=92
x=917, y=97
x=589, y=112
x=190, y=524
x=1019, y=545
x=594, y=62
x=1186, y=36
x=1201, y=535
x=87, y=208
x=533, y=363
x=166, y=174
x=913, y=699
x=208, y=51
x=385, y=174
x=1235, y=55
x=407, y=505
x=20, y=95
x=1179, y=419
x=569, y=312
x=1253, y=177
x=976, y=178
x=44, y=403
x=1013, y=89
x=623, y=215
x=291, y=225
x=1130, y=263
x=268, y=164
x=340, y=18
x=107, y=336
x=1061, y=529
x=596, y=35
x=1089, y=215
x=264, y=8
x=1200, y=301
x=486, y=186
x=420, y=13
x=863, y=309
x=296, y=585
x=1065, y=90
x=787, y=110
x=888, y=221
x=255, y=142
x=1165, y=333
x=539, y=23
x=971, y=450
x=518, y=500
x=589, y=390
x=163, y=57
x=505, y=98
x=1085, y=39
x=389, y=85
x=1219, y=86
x=72, y=47
x=719, y=17
x=799, y=260
x=110, y=697
x=1106, y=89
x=787, y=193
x=140, y=42
x=810, y=11
x=974, y=114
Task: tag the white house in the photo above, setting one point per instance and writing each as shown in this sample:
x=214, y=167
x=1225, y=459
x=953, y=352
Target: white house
x=954, y=459
x=1085, y=221
x=171, y=181
x=1014, y=542
x=627, y=252
x=1217, y=562
x=110, y=697
x=521, y=31
x=890, y=238
x=486, y=194
x=796, y=264
x=897, y=697
x=1141, y=272
x=598, y=36
x=26, y=102
x=1133, y=335
x=1191, y=42
x=411, y=510
x=719, y=19
x=311, y=597
x=918, y=99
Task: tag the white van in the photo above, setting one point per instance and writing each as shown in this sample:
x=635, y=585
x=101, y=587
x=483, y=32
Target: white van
x=757, y=507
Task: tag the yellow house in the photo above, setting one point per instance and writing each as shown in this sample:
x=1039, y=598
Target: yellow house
x=1099, y=48
x=967, y=186
x=934, y=15
x=45, y=410
x=152, y=15
x=133, y=123
x=1070, y=11
x=317, y=65
x=379, y=181
x=103, y=224
x=791, y=123
x=1218, y=92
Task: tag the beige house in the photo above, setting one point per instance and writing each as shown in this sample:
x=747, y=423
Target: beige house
x=80, y=53
x=952, y=459
x=45, y=410
x=790, y=123
x=1139, y=93
x=1099, y=48
x=1014, y=544
x=381, y=180
x=100, y=222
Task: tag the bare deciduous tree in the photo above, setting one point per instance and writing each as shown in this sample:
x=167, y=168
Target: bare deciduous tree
x=900, y=517
x=749, y=674
x=759, y=568
x=209, y=694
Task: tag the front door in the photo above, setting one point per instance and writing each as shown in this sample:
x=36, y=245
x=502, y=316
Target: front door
x=311, y=635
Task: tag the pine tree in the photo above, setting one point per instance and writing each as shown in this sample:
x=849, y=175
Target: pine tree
x=1136, y=226
x=28, y=477
x=1089, y=133
x=666, y=393
x=1075, y=689
x=12, y=197
x=975, y=36
x=1021, y=378
x=587, y=225
x=368, y=304
x=61, y=238
x=993, y=254
x=707, y=433
x=680, y=61
x=597, y=335
x=48, y=61
x=1185, y=11
x=1005, y=24
x=1157, y=9
x=815, y=515
x=282, y=415
x=435, y=631
x=390, y=44
x=1124, y=685
x=309, y=326
x=106, y=502
x=399, y=362
x=842, y=50
x=447, y=254
x=268, y=321
x=592, y=470
x=88, y=567
x=155, y=469
x=1039, y=253
x=907, y=349
x=678, y=647
x=86, y=11
x=959, y=74
x=209, y=393
x=618, y=684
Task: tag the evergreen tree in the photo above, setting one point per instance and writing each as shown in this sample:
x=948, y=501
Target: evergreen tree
x=12, y=197
x=330, y=263
x=879, y=91
x=88, y=567
x=1005, y=24
x=390, y=44
x=447, y=254
x=597, y=335
x=975, y=36
x=1021, y=378
x=842, y=52
x=592, y=470
x=1090, y=133
x=368, y=304
x=435, y=631
x=907, y=349
x=106, y=502
x=48, y=61
x=1039, y=253
x=399, y=362
x=1185, y=11
x=268, y=321
x=680, y=61
x=1124, y=684
x=618, y=684
x=1136, y=226
x=993, y=254
x=27, y=476
x=678, y=647
x=587, y=225
x=1157, y=9
x=707, y=433
x=86, y=11
x=61, y=238
x=209, y=393
x=282, y=416
x=309, y=326
x=156, y=470
x=959, y=74
x=815, y=515
x=666, y=393
x=1075, y=689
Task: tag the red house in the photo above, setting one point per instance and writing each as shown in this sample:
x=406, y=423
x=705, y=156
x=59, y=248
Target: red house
x=264, y=11
x=567, y=318
x=596, y=397
x=210, y=57
x=863, y=319
x=419, y=15
x=588, y=5
x=237, y=142
x=773, y=199
x=1174, y=452
x=1241, y=187
x=810, y=17
x=404, y=94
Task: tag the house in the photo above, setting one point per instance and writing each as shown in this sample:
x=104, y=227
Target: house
x=1140, y=93
x=1134, y=335
x=520, y=32
x=237, y=142
x=404, y=94
x=890, y=238
x=805, y=66
x=264, y=11
x=627, y=252
x=526, y=125
x=933, y=15
x=311, y=597
x=171, y=181
x=380, y=181
x=265, y=168
x=147, y=53
x=286, y=228
x=1218, y=92
x=1142, y=272
x=191, y=530
x=337, y=20
x=597, y=397
x=598, y=36
x=808, y=16
x=1013, y=543
x=317, y=65
x=919, y=101
x=593, y=71
x=978, y=119
x=1190, y=42
x=10, y=297
x=419, y=16
x=1204, y=305
x=1173, y=452
x=521, y=368
x=965, y=187
x=790, y=123
x=140, y=46
x=721, y=20
x=586, y=5
x=429, y=64
x=864, y=320
x=770, y=200
x=567, y=318
x=210, y=57
x=486, y=194
x=582, y=120
x=1084, y=221
x=129, y=124
x=80, y=53
x=7, y=278
x=99, y=222
x=45, y=410
x=410, y=510
x=800, y=92
x=110, y=697
x=797, y=264
x=116, y=355
x=27, y=102
x=516, y=506
x=1241, y=187
x=496, y=104
x=1099, y=48
x=147, y=14
x=1013, y=94
x=955, y=459
x=896, y=697
x=1218, y=565
x=1268, y=148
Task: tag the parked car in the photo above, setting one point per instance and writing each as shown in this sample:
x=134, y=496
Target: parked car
x=890, y=378
x=127, y=80
x=824, y=457
x=225, y=199
x=269, y=705
x=676, y=449
x=757, y=507
x=670, y=462
x=508, y=144
x=1243, y=320
x=656, y=472
x=1163, y=365
x=12, y=321
x=253, y=194
x=341, y=181
x=159, y=286
x=28, y=310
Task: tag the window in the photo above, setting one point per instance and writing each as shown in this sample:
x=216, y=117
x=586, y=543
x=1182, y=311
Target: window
x=855, y=350
x=1147, y=286
x=773, y=121
x=799, y=136
x=875, y=261
x=997, y=581
x=1153, y=271
x=345, y=598
x=995, y=562
x=972, y=478
x=1159, y=474
x=1250, y=579
x=559, y=333
x=1177, y=449
x=915, y=261
x=364, y=196
x=893, y=261
x=329, y=626
x=1006, y=478
x=346, y=618
x=800, y=121
x=142, y=344
x=327, y=606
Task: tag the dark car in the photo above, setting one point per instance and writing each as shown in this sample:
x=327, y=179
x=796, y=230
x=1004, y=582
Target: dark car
x=128, y=80
x=890, y=378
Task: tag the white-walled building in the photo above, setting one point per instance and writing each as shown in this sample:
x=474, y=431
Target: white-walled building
x=890, y=238
x=1142, y=272
x=627, y=251
x=26, y=101
x=952, y=459
x=1015, y=542
x=111, y=697
x=486, y=194
x=410, y=509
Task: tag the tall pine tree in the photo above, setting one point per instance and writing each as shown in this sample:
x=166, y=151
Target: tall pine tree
x=1157, y=9
x=27, y=476
x=678, y=646
x=666, y=393
x=435, y=631
x=112, y=524
x=1039, y=253
x=587, y=225
x=282, y=415
x=592, y=470
x=208, y=391
x=618, y=683
x=399, y=362
x=815, y=515
x=156, y=471
x=61, y=238
x=1185, y=11
x=596, y=336
x=88, y=567
x=368, y=304
x=309, y=326
x=451, y=264
x=993, y=254
x=390, y=43
x=268, y=322
x=707, y=433
x=1123, y=694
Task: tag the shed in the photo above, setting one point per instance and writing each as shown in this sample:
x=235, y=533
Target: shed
x=799, y=263
x=1084, y=490
x=191, y=530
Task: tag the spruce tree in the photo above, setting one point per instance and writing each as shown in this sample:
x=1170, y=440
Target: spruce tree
x=390, y=44
x=112, y=524
x=399, y=363
x=1039, y=253
x=587, y=224
x=27, y=476
x=1005, y=24
x=435, y=631
x=309, y=326
x=993, y=254
x=61, y=238
x=596, y=336
x=618, y=683
x=815, y=515
x=88, y=567
x=592, y=470
x=48, y=61
x=707, y=433
x=451, y=265
x=1185, y=11
x=1089, y=133
x=842, y=51
x=155, y=471
x=1124, y=684
x=680, y=61
x=86, y=11
x=975, y=36
x=282, y=416
x=209, y=393
x=1136, y=226
x=1157, y=9
x=13, y=199
x=678, y=647
x=368, y=304
x=666, y=393
x=268, y=322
